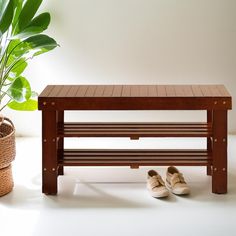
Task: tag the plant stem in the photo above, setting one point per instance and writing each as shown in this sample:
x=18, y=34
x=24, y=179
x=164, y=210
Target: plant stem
x=5, y=104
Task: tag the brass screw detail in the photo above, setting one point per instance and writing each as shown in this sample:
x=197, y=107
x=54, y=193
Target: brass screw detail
x=215, y=169
x=224, y=169
x=45, y=140
x=53, y=169
x=224, y=102
x=224, y=140
x=54, y=140
x=53, y=103
x=215, y=102
x=44, y=169
x=44, y=103
x=215, y=140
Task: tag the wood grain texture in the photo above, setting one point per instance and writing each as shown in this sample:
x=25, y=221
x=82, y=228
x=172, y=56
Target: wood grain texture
x=55, y=99
x=135, y=97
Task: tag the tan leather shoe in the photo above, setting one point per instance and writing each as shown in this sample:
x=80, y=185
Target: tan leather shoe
x=156, y=185
x=175, y=181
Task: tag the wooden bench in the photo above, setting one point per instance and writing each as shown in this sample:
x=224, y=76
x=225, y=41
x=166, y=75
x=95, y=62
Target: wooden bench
x=55, y=99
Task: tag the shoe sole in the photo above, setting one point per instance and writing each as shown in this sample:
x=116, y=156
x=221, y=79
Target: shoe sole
x=162, y=195
x=183, y=192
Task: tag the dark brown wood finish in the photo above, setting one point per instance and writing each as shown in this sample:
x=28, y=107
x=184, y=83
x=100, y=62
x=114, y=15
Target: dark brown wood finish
x=219, y=173
x=55, y=99
x=135, y=97
x=209, y=141
x=49, y=142
x=60, y=122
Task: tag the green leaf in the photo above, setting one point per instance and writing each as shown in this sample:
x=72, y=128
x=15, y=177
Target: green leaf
x=28, y=11
x=41, y=41
x=37, y=44
x=20, y=89
x=7, y=16
x=19, y=5
x=29, y=105
x=28, y=32
x=42, y=21
x=18, y=69
x=3, y=4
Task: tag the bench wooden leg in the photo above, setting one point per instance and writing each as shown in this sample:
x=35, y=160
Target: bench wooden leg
x=60, y=120
x=49, y=146
x=209, y=141
x=219, y=174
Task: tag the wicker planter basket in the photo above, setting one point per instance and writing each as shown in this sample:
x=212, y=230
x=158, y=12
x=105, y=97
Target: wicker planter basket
x=7, y=154
x=7, y=142
x=6, y=180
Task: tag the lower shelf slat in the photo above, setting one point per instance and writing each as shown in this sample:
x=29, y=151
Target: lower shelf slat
x=165, y=129
x=139, y=157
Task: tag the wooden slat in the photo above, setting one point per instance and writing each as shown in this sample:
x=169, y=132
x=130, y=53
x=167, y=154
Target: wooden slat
x=224, y=92
x=126, y=91
x=152, y=91
x=214, y=90
x=170, y=91
x=47, y=91
x=179, y=91
x=135, y=157
x=81, y=90
x=143, y=91
x=137, y=125
x=197, y=92
x=108, y=91
x=187, y=91
x=63, y=92
x=56, y=90
x=137, y=154
x=135, y=91
x=99, y=91
x=73, y=90
x=161, y=90
x=135, y=130
x=117, y=91
x=90, y=91
x=206, y=91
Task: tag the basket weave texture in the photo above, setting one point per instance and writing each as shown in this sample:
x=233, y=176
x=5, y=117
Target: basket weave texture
x=6, y=180
x=7, y=143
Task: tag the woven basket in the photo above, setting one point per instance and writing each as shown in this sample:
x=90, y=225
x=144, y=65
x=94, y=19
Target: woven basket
x=6, y=180
x=7, y=142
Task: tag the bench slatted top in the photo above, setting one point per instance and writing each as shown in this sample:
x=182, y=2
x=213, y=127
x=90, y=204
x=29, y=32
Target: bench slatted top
x=135, y=97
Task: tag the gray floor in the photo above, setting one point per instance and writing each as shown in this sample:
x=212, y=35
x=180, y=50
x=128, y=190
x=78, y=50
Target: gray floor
x=114, y=201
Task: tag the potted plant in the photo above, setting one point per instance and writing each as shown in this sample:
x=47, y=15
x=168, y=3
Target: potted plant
x=21, y=39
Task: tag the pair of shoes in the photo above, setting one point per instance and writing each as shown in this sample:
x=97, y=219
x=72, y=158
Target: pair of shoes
x=174, y=181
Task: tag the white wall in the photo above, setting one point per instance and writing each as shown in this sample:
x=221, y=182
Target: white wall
x=137, y=42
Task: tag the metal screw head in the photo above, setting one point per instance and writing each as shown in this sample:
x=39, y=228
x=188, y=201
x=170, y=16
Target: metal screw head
x=44, y=103
x=215, y=140
x=215, y=102
x=45, y=140
x=224, y=102
x=44, y=169
x=53, y=169
x=215, y=169
x=224, y=169
x=224, y=140
x=54, y=140
x=53, y=103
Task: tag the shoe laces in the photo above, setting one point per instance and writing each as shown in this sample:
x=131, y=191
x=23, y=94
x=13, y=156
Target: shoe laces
x=177, y=178
x=156, y=181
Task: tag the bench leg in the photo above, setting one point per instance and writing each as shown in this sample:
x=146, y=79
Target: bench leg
x=49, y=146
x=60, y=120
x=219, y=174
x=209, y=141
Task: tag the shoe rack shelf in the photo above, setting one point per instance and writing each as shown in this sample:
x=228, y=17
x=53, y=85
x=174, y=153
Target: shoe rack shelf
x=56, y=99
